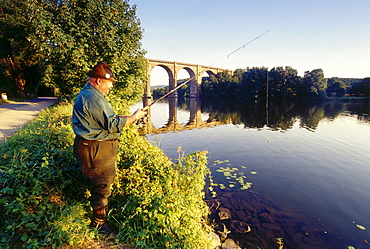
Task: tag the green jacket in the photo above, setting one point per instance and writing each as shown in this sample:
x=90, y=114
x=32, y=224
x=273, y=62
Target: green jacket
x=93, y=117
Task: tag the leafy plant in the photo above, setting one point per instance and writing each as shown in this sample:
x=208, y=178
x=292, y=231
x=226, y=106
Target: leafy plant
x=55, y=43
x=160, y=202
x=155, y=203
x=39, y=182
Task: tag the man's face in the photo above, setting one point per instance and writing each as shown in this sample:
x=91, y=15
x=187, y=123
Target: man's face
x=104, y=86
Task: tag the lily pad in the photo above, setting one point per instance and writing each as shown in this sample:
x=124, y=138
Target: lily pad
x=227, y=173
x=361, y=227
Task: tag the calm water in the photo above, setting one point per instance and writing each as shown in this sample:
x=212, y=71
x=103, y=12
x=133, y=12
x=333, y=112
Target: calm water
x=312, y=161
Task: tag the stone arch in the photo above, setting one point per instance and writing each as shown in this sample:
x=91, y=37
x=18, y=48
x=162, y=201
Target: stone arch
x=171, y=78
x=170, y=74
x=172, y=68
x=193, y=84
x=210, y=72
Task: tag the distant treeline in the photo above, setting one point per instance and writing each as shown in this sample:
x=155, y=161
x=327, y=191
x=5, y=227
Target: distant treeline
x=279, y=83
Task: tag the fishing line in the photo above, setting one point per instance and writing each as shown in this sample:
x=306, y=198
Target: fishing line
x=246, y=44
x=202, y=72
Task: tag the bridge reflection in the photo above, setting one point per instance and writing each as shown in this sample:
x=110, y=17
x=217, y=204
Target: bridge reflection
x=195, y=118
x=252, y=115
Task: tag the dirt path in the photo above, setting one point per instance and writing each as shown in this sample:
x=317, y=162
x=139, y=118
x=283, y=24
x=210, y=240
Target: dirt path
x=15, y=115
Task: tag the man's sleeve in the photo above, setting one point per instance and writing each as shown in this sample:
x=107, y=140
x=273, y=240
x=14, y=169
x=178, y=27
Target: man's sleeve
x=104, y=115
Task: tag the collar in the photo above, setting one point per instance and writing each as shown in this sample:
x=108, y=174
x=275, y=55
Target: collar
x=90, y=86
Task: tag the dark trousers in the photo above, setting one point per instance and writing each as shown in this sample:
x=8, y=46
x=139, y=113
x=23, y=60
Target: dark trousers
x=97, y=161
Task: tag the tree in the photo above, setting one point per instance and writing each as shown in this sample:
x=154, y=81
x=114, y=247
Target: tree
x=221, y=85
x=238, y=75
x=361, y=88
x=254, y=82
x=336, y=87
x=63, y=39
x=24, y=26
x=90, y=31
x=314, y=84
x=282, y=82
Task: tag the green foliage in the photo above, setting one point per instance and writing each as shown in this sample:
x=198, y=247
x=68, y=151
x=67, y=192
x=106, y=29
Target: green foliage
x=160, y=91
x=315, y=83
x=185, y=89
x=281, y=84
x=254, y=82
x=40, y=183
x=155, y=203
x=233, y=176
x=89, y=31
x=336, y=87
x=24, y=26
x=348, y=82
x=59, y=41
x=161, y=203
x=361, y=88
x=221, y=85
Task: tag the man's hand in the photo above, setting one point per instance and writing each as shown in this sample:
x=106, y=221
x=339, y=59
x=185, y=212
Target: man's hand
x=139, y=114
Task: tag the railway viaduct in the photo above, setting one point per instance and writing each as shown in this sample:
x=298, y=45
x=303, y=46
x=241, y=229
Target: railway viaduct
x=173, y=68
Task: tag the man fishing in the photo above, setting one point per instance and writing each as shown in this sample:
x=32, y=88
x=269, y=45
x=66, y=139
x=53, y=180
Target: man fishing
x=97, y=129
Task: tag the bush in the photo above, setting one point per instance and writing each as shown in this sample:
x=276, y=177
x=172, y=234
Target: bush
x=155, y=203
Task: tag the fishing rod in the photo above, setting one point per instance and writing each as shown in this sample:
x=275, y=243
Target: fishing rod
x=202, y=72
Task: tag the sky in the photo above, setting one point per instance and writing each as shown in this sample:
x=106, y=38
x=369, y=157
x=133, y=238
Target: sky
x=333, y=35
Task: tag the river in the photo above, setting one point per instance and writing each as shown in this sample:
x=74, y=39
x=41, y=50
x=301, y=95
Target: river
x=307, y=165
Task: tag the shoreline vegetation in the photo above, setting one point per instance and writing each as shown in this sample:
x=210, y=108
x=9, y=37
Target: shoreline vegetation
x=279, y=84
x=156, y=203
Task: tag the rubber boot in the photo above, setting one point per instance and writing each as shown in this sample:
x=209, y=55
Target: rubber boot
x=99, y=220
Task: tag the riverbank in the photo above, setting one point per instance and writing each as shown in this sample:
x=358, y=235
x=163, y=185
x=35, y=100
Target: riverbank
x=348, y=99
x=155, y=203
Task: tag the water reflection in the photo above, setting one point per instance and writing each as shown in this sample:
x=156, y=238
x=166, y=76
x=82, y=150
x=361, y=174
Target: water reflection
x=255, y=115
x=192, y=105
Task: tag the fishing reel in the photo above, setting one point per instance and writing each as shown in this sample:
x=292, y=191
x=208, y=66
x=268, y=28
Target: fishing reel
x=142, y=120
x=145, y=118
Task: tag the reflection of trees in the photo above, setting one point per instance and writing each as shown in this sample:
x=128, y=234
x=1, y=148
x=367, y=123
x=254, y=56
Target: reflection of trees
x=361, y=109
x=311, y=116
x=281, y=117
x=364, y=118
x=333, y=109
x=257, y=115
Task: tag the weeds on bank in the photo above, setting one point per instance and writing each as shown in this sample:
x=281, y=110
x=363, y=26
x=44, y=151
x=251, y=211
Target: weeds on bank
x=155, y=203
x=160, y=203
x=40, y=185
